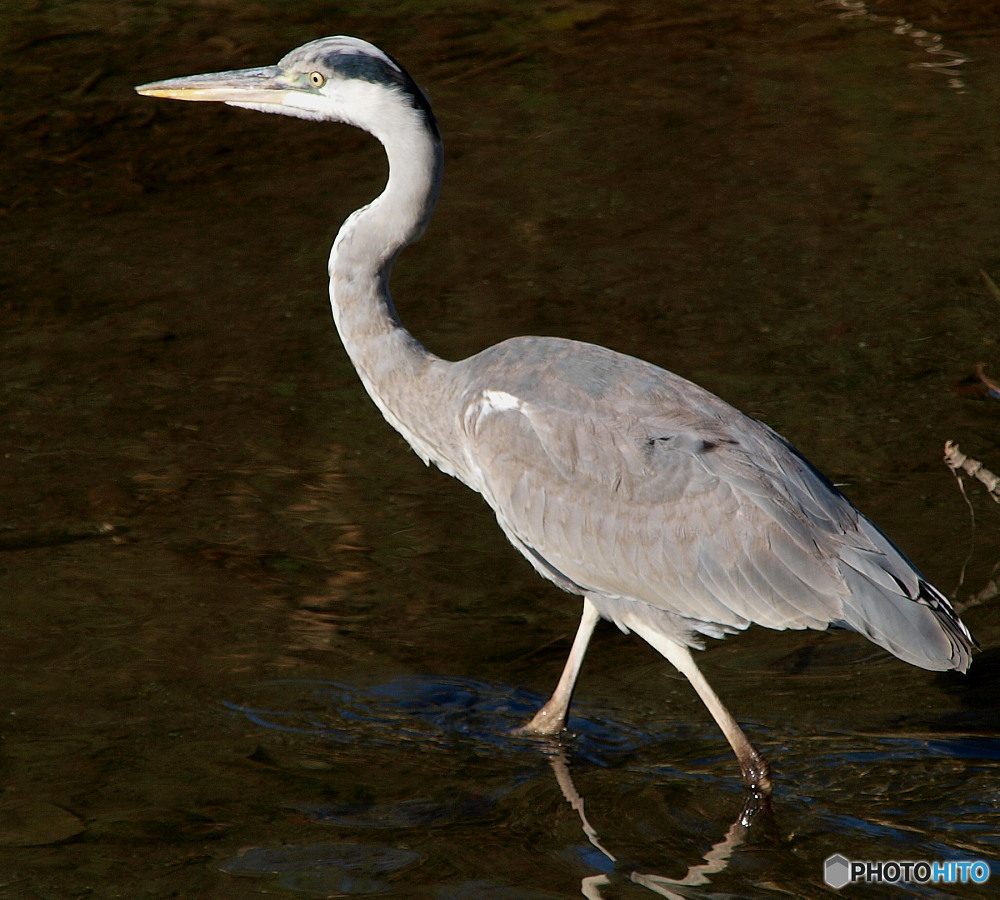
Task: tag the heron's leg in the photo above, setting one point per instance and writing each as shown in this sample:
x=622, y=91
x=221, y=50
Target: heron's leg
x=756, y=769
x=551, y=718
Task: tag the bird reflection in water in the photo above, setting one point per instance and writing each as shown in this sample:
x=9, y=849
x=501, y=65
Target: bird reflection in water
x=756, y=812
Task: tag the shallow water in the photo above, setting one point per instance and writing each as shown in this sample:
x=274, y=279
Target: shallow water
x=253, y=646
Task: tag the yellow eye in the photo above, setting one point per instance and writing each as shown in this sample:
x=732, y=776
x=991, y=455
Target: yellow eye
x=317, y=79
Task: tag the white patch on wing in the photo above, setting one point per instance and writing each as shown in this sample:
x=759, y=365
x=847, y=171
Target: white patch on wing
x=476, y=413
x=499, y=401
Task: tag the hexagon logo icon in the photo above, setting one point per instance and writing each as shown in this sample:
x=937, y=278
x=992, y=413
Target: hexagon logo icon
x=837, y=871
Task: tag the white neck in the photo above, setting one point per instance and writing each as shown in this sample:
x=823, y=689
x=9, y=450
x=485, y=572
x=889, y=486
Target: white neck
x=404, y=379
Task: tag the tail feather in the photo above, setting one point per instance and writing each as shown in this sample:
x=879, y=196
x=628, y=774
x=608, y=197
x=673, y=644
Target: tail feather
x=922, y=629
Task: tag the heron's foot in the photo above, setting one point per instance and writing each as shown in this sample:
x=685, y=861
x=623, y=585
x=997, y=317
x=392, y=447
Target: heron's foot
x=757, y=774
x=757, y=816
x=547, y=722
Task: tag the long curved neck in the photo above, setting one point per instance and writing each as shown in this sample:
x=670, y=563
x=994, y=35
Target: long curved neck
x=403, y=378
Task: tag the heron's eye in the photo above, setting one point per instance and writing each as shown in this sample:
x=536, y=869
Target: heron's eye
x=317, y=79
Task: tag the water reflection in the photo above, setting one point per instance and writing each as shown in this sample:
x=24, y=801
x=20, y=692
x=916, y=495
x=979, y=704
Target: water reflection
x=756, y=813
x=943, y=61
x=431, y=712
x=843, y=780
x=449, y=716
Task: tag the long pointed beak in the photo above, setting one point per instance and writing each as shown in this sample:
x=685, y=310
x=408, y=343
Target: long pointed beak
x=265, y=85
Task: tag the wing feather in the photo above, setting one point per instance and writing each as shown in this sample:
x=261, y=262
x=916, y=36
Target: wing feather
x=630, y=484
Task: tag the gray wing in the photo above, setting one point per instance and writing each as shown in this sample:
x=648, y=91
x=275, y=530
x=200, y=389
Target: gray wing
x=677, y=500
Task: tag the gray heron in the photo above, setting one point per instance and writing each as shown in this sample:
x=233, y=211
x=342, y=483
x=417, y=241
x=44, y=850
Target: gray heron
x=670, y=512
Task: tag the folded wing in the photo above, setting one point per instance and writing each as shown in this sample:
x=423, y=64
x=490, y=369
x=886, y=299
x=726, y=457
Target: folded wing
x=676, y=500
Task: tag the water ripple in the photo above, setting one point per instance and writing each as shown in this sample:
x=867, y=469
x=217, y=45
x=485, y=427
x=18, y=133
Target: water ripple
x=432, y=712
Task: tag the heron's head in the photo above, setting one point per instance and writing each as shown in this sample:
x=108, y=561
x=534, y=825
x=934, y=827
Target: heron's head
x=340, y=79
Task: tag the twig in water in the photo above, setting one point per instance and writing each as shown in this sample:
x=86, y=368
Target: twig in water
x=991, y=285
x=955, y=460
x=958, y=462
x=32, y=538
x=992, y=388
